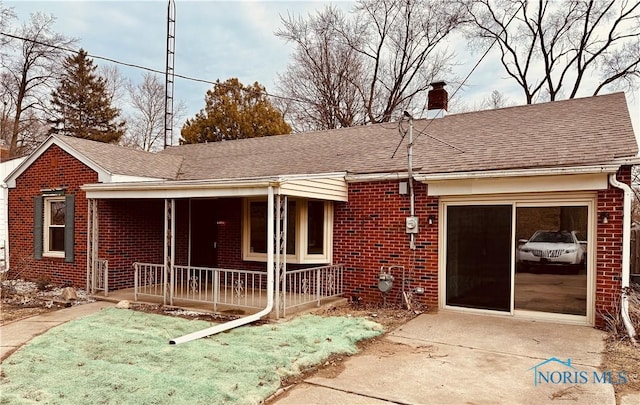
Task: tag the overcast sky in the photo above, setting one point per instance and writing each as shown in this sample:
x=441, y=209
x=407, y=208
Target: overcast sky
x=220, y=40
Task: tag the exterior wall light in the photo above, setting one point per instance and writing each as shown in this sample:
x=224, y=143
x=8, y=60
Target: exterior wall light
x=431, y=220
x=604, y=217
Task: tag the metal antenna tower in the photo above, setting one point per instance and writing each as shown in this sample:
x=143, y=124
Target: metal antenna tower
x=169, y=74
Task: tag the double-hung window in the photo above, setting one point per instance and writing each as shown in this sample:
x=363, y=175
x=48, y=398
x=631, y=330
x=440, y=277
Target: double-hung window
x=54, y=220
x=309, y=231
x=54, y=226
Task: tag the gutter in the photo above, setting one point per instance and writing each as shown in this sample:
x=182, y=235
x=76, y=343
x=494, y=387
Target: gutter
x=610, y=168
x=270, y=279
x=626, y=254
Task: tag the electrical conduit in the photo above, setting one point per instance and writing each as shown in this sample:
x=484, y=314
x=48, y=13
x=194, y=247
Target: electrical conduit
x=626, y=254
x=270, y=277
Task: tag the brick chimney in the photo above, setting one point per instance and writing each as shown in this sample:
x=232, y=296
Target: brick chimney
x=437, y=100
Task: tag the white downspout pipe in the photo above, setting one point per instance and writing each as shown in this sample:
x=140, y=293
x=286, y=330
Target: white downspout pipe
x=270, y=268
x=626, y=254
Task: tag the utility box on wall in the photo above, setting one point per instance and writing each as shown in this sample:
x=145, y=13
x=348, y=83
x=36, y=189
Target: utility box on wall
x=412, y=224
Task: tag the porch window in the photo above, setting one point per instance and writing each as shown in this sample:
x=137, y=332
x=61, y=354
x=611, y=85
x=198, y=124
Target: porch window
x=54, y=227
x=309, y=225
x=315, y=227
x=258, y=228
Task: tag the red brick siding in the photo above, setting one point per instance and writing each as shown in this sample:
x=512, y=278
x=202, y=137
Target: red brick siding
x=129, y=231
x=609, y=249
x=54, y=169
x=230, y=236
x=369, y=232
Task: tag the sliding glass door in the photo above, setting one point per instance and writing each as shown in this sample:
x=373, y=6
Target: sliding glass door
x=519, y=255
x=551, y=260
x=479, y=256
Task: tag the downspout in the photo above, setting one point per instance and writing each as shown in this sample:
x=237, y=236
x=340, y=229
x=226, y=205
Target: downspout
x=270, y=268
x=626, y=254
x=412, y=209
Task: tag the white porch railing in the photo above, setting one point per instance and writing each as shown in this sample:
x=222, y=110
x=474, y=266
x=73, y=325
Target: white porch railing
x=148, y=280
x=236, y=288
x=304, y=286
x=100, y=276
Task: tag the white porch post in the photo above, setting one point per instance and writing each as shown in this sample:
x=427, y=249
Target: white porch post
x=89, y=203
x=278, y=239
x=92, y=244
x=169, y=248
x=281, y=248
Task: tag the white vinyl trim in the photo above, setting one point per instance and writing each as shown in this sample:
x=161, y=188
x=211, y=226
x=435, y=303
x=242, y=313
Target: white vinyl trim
x=518, y=185
x=301, y=254
x=46, y=225
x=587, y=199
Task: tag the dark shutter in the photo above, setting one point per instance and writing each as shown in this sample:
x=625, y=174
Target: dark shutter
x=38, y=218
x=69, y=228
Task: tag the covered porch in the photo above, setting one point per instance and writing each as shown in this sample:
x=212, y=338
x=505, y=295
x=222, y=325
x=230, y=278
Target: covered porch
x=215, y=250
x=231, y=292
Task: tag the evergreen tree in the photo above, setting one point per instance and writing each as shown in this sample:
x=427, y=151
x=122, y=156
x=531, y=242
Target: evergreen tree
x=234, y=111
x=82, y=105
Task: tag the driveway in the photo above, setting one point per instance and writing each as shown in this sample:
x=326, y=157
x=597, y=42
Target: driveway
x=460, y=358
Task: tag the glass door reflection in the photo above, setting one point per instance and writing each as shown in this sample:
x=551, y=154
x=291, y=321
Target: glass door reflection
x=551, y=259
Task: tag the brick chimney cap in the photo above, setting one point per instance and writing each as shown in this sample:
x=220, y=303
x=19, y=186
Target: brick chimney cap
x=438, y=85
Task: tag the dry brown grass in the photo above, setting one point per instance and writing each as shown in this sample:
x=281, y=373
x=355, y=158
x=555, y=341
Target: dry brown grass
x=620, y=353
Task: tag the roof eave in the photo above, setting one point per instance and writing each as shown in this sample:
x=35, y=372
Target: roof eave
x=104, y=175
x=301, y=185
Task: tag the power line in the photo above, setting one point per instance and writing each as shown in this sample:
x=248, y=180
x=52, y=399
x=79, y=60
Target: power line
x=213, y=83
x=135, y=66
x=423, y=131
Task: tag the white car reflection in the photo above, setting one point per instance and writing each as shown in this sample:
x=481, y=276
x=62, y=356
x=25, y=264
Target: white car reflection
x=562, y=248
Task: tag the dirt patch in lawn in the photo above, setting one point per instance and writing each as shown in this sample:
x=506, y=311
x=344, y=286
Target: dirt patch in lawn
x=22, y=299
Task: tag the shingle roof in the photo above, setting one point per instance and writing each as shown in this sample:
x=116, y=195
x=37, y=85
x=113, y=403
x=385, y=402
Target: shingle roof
x=126, y=161
x=587, y=131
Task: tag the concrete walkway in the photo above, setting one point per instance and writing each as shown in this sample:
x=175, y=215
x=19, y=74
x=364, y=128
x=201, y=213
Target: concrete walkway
x=15, y=334
x=449, y=358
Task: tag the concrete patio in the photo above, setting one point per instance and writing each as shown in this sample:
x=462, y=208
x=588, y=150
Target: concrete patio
x=450, y=357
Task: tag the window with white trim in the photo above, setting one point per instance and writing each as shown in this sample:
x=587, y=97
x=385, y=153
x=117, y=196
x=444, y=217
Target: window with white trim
x=309, y=231
x=54, y=225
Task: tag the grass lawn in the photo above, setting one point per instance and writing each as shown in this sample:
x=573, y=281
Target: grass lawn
x=123, y=357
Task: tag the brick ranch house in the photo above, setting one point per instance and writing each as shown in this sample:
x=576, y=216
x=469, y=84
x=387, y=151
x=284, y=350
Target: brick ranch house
x=452, y=235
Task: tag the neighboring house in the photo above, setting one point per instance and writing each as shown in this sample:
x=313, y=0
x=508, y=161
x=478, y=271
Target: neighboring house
x=482, y=184
x=6, y=167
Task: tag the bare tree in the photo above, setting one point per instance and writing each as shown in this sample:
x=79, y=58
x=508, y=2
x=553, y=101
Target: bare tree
x=7, y=16
x=559, y=49
x=116, y=83
x=495, y=100
x=404, y=51
x=321, y=83
x=386, y=54
x=29, y=73
x=146, y=113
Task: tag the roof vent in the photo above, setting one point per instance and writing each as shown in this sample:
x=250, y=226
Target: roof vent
x=437, y=100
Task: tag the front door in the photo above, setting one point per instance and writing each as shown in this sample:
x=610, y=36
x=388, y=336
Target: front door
x=204, y=233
